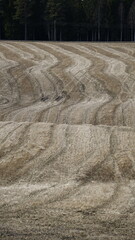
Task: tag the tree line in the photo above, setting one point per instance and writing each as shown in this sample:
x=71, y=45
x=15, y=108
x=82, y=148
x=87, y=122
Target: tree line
x=67, y=20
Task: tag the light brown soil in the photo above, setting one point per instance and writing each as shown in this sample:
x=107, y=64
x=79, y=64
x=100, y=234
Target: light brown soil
x=67, y=141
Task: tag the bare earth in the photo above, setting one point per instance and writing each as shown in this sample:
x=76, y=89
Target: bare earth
x=67, y=141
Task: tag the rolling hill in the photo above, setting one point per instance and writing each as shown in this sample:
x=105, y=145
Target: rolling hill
x=67, y=137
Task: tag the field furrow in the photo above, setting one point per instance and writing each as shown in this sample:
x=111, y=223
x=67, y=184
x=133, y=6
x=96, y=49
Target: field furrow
x=67, y=141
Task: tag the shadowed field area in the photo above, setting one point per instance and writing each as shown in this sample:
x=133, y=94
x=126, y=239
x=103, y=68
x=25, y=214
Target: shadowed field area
x=67, y=141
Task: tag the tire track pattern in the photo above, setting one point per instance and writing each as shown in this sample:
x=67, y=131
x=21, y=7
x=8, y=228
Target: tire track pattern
x=67, y=137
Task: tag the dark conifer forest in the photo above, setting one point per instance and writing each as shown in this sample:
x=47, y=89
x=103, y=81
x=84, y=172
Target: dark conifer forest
x=67, y=20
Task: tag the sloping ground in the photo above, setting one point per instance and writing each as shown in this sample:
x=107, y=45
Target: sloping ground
x=67, y=141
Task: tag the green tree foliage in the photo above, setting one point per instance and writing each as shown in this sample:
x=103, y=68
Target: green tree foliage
x=7, y=12
x=131, y=20
x=94, y=20
x=1, y=16
x=24, y=13
x=55, y=15
x=37, y=18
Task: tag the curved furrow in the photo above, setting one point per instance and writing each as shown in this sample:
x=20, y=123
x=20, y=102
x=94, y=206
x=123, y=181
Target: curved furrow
x=76, y=70
x=64, y=60
x=58, y=70
x=19, y=153
x=123, y=113
x=62, y=96
x=97, y=73
x=44, y=159
x=106, y=65
x=87, y=86
x=74, y=88
x=93, y=72
x=127, y=91
x=105, y=113
x=41, y=71
x=39, y=79
x=8, y=87
x=67, y=137
x=18, y=74
x=127, y=79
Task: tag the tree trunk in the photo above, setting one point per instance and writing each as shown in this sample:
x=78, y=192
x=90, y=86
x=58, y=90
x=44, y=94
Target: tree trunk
x=121, y=20
x=33, y=33
x=52, y=33
x=99, y=19
x=55, y=30
x=107, y=35
x=87, y=35
x=25, y=23
x=98, y=33
x=60, y=35
x=121, y=34
x=95, y=39
x=0, y=32
x=26, y=30
x=132, y=34
x=49, y=32
x=92, y=36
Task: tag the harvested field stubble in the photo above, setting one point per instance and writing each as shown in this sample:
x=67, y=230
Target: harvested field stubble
x=67, y=141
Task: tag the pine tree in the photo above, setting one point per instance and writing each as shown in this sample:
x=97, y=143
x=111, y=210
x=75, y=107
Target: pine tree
x=37, y=17
x=7, y=18
x=1, y=16
x=23, y=13
x=55, y=13
x=131, y=20
x=94, y=13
